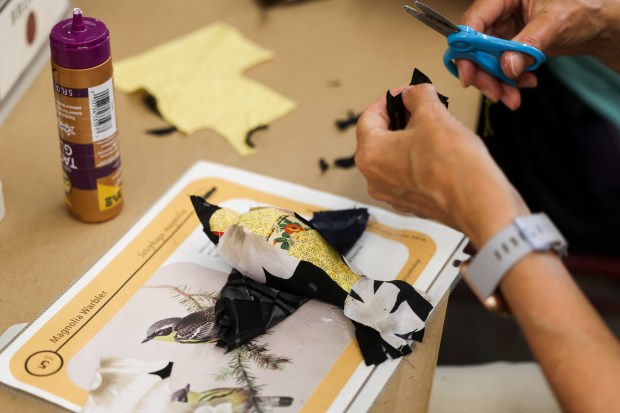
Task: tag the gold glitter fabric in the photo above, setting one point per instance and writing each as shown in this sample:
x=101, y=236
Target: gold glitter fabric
x=260, y=220
x=311, y=246
x=222, y=219
x=285, y=231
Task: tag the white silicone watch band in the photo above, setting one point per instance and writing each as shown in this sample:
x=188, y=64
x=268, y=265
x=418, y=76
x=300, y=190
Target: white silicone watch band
x=525, y=234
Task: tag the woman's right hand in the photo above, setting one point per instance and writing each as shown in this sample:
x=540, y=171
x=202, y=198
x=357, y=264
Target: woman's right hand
x=556, y=27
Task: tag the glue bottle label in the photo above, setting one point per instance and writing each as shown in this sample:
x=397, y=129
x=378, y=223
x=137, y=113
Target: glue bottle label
x=89, y=141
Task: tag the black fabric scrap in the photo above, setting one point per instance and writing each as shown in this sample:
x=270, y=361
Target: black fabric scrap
x=165, y=131
x=151, y=103
x=397, y=112
x=346, y=162
x=341, y=228
x=246, y=309
x=248, y=136
x=351, y=120
x=374, y=349
x=323, y=165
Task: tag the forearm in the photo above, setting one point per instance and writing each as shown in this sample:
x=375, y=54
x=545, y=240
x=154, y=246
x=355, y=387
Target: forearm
x=578, y=354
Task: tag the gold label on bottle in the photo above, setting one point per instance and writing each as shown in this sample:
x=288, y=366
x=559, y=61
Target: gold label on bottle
x=89, y=141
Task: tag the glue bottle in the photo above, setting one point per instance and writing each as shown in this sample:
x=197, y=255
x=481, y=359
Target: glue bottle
x=89, y=139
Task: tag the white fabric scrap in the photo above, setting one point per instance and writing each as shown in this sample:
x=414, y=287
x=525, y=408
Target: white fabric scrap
x=377, y=311
x=250, y=254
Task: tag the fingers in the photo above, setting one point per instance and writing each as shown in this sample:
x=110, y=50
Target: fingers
x=539, y=32
x=375, y=117
x=491, y=87
x=420, y=96
x=536, y=33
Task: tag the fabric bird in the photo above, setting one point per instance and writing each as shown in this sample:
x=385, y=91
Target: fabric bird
x=281, y=249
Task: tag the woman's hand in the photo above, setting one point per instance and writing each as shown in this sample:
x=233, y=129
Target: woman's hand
x=556, y=27
x=435, y=167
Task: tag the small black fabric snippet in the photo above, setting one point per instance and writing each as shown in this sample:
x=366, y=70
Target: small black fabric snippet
x=323, y=165
x=151, y=104
x=346, y=162
x=351, y=120
x=165, y=131
x=251, y=132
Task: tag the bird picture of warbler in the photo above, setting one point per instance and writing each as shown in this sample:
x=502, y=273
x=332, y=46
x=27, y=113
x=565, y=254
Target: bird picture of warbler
x=199, y=327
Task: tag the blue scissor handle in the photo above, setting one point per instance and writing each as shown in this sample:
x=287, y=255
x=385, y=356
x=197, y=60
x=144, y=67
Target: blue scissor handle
x=485, y=51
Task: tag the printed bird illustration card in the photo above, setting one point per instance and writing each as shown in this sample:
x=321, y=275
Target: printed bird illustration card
x=141, y=330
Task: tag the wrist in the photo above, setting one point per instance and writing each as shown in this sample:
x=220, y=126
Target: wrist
x=489, y=210
x=526, y=234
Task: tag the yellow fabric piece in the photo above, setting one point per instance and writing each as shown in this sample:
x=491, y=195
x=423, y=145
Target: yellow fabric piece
x=222, y=219
x=310, y=246
x=304, y=243
x=198, y=83
x=260, y=221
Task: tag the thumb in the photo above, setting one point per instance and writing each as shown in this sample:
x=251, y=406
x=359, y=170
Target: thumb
x=539, y=33
x=418, y=96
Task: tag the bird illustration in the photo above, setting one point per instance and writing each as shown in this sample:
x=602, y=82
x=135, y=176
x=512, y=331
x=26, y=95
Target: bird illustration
x=240, y=399
x=197, y=327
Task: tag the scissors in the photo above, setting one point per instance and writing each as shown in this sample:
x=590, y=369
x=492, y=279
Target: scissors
x=466, y=43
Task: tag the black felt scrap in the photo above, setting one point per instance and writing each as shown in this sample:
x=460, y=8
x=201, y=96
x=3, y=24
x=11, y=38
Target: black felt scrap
x=246, y=309
x=397, y=112
x=165, y=131
x=345, y=162
x=151, y=103
x=251, y=132
x=351, y=120
x=323, y=165
x=341, y=228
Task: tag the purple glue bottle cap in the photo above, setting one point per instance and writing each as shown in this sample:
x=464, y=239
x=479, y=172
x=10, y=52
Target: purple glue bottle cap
x=80, y=42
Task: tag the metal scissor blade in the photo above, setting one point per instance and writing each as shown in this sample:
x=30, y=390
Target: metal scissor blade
x=432, y=19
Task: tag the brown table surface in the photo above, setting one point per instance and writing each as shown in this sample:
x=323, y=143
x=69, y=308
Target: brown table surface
x=331, y=57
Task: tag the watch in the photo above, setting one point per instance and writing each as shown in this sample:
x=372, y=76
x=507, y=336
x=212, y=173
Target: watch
x=526, y=234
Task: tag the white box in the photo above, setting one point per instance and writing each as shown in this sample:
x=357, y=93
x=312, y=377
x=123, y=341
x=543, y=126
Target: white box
x=25, y=27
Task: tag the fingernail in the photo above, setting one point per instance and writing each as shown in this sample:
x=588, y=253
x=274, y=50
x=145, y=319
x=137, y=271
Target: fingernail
x=510, y=64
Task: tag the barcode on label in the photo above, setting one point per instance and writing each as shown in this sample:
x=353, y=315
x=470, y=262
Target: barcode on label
x=102, y=119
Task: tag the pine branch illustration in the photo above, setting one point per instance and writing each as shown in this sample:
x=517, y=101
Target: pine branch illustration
x=259, y=354
x=191, y=301
x=247, y=379
x=238, y=368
